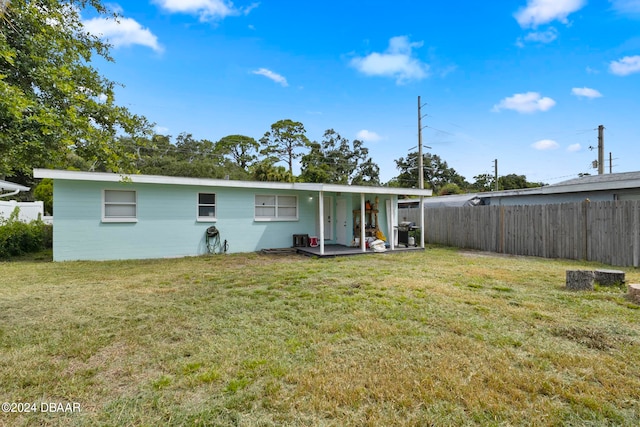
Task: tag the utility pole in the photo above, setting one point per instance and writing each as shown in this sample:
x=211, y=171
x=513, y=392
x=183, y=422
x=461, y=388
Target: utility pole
x=495, y=171
x=610, y=163
x=420, y=160
x=600, y=150
x=420, y=174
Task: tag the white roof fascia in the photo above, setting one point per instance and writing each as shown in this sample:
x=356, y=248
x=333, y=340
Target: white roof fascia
x=10, y=186
x=206, y=182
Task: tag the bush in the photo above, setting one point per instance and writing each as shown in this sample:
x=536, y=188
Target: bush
x=17, y=237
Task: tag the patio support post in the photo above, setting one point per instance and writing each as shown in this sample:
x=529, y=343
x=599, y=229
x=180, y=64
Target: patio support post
x=392, y=220
x=422, y=230
x=321, y=221
x=363, y=243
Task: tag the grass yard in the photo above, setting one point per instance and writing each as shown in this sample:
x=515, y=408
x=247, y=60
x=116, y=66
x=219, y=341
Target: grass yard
x=440, y=337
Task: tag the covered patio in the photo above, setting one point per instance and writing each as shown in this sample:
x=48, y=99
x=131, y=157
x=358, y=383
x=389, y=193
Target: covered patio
x=373, y=213
x=331, y=251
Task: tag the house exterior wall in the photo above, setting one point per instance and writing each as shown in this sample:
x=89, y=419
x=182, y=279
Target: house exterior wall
x=167, y=224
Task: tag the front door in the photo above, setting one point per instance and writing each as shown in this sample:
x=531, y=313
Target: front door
x=328, y=218
x=341, y=222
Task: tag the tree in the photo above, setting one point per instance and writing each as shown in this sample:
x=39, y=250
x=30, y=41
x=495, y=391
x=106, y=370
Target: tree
x=187, y=157
x=52, y=101
x=283, y=140
x=243, y=150
x=44, y=192
x=436, y=172
x=449, y=188
x=337, y=161
x=514, y=182
x=266, y=170
x=484, y=182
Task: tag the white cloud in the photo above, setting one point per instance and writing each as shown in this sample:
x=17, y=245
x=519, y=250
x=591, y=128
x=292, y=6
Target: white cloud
x=625, y=66
x=542, y=36
x=545, y=144
x=538, y=12
x=122, y=32
x=628, y=7
x=161, y=130
x=585, y=92
x=368, y=136
x=528, y=102
x=574, y=147
x=397, y=62
x=207, y=10
x=272, y=76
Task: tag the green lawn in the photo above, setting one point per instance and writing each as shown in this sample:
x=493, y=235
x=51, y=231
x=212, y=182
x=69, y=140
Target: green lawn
x=438, y=337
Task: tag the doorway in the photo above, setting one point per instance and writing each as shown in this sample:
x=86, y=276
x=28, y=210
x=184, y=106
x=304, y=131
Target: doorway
x=328, y=218
x=341, y=222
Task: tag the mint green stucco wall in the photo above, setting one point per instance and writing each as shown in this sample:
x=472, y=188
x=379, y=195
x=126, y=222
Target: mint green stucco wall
x=167, y=225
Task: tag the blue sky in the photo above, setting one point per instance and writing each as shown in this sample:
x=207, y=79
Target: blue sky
x=526, y=82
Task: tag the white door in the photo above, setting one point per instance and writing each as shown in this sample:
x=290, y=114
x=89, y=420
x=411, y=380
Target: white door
x=328, y=218
x=341, y=222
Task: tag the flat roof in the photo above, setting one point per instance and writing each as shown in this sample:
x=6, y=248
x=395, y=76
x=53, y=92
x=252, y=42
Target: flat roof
x=207, y=182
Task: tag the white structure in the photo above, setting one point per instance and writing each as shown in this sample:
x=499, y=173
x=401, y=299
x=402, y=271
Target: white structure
x=29, y=211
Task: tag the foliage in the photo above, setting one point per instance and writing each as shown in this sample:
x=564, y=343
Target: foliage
x=487, y=182
x=188, y=157
x=52, y=101
x=283, y=141
x=436, y=172
x=450, y=188
x=514, y=182
x=17, y=237
x=243, y=150
x=266, y=170
x=44, y=192
x=337, y=161
x=483, y=183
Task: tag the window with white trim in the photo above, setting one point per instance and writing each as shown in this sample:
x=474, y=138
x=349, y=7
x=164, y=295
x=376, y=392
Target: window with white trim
x=119, y=206
x=276, y=207
x=206, y=206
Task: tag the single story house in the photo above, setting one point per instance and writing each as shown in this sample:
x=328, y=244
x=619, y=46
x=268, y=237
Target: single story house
x=596, y=188
x=103, y=216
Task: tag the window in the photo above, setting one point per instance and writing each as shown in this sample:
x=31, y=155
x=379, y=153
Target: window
x=276, y=208
x=206, y=207
x=119, y=206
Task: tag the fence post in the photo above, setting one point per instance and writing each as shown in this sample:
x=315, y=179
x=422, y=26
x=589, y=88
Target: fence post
x=636, y=235
x=501, y=230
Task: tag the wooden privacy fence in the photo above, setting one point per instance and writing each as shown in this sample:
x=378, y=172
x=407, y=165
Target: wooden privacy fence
x=608, y=232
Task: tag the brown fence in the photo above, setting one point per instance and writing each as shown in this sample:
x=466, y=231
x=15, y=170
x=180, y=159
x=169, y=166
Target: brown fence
x=608, y=232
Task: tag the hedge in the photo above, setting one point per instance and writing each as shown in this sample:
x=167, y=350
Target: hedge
x=17, y=237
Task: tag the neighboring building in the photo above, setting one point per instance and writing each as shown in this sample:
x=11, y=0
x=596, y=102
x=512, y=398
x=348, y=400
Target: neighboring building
x=101, y=216
x=596, y=188
x=28, y=211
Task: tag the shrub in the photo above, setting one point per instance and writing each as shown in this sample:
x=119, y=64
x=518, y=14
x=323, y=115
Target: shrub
x=17, y=237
